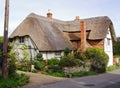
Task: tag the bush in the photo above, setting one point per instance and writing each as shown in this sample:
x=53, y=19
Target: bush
x=66, y=51
x=53, y=65
x=80, y=55
x=39, y=57
x=55, y=68
x=39, y=62
x=53, y=61
x=69, y=61
x=14, y=82
x=99, y=59
x=12, y=61
x=39, y=65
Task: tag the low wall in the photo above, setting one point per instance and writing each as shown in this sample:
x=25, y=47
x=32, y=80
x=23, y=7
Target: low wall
x=68, y=70
x=116, y=60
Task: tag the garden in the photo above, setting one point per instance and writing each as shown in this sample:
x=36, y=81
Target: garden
x=76, y=64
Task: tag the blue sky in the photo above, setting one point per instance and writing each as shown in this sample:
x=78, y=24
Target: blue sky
x=62, y=9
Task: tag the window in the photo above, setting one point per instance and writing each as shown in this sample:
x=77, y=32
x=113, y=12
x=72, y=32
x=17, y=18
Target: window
x=108, y=41
x=21, y=40
x=58, y=53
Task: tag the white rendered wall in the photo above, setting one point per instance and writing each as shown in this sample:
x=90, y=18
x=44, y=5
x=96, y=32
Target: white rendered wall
x=33, y=51
x=108, y=47
x=49, y=55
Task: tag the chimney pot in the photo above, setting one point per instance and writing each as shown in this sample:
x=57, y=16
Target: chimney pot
x=49, y=15
x=77, y=18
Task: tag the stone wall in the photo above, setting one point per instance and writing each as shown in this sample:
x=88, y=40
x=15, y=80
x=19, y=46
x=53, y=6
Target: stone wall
x=68, y=70
x=116, y=60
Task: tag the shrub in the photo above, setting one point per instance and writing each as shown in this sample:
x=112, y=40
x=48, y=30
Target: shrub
x=12, y=61
x=39, y=65
x=98, y=58
x=80, y=55
x=39, y=62
x=14, y=82
x=68, y=61
x=39, y=57
x=53, y=61
x=55, y=68
x=66, y=51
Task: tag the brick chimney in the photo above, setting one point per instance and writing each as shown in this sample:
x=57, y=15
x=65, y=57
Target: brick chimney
x=83, y=36
x=77, y=18
x=49, y=15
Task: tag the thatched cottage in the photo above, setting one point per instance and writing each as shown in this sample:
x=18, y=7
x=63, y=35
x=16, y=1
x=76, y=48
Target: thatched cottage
x=50, y=36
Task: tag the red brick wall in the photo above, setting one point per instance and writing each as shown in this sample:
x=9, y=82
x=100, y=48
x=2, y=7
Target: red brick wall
x=94, y=43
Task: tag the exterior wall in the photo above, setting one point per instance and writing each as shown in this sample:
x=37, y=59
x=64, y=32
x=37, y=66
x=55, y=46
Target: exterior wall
x=93, y=43
x=49, y=55
x=108, y=47
x=76, y=44
x=32, y=49
x=97, y=43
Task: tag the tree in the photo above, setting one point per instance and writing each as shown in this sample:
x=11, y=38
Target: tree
x=116, y=48
x=1, y=49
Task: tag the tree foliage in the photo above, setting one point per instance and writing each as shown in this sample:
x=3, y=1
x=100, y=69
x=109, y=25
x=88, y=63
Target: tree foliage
x=116, y=48
x=1, y=50
x=12, y=61
x=66, y=51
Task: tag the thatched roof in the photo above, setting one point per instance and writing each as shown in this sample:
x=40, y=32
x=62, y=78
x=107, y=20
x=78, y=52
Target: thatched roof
x=45, y=35
x=48, y=33
x=98, y=27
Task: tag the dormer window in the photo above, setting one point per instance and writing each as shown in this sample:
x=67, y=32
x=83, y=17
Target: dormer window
x=21, y=40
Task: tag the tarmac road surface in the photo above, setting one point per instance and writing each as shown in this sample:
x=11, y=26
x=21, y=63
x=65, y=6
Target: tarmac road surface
x=107, y=80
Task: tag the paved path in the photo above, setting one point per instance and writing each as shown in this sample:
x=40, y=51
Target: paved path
x=108, y=80
x=40, y=79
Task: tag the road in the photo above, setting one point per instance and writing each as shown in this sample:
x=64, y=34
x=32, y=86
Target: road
x=107, y=80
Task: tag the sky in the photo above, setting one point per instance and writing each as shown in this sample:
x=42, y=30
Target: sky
x=65, y=10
